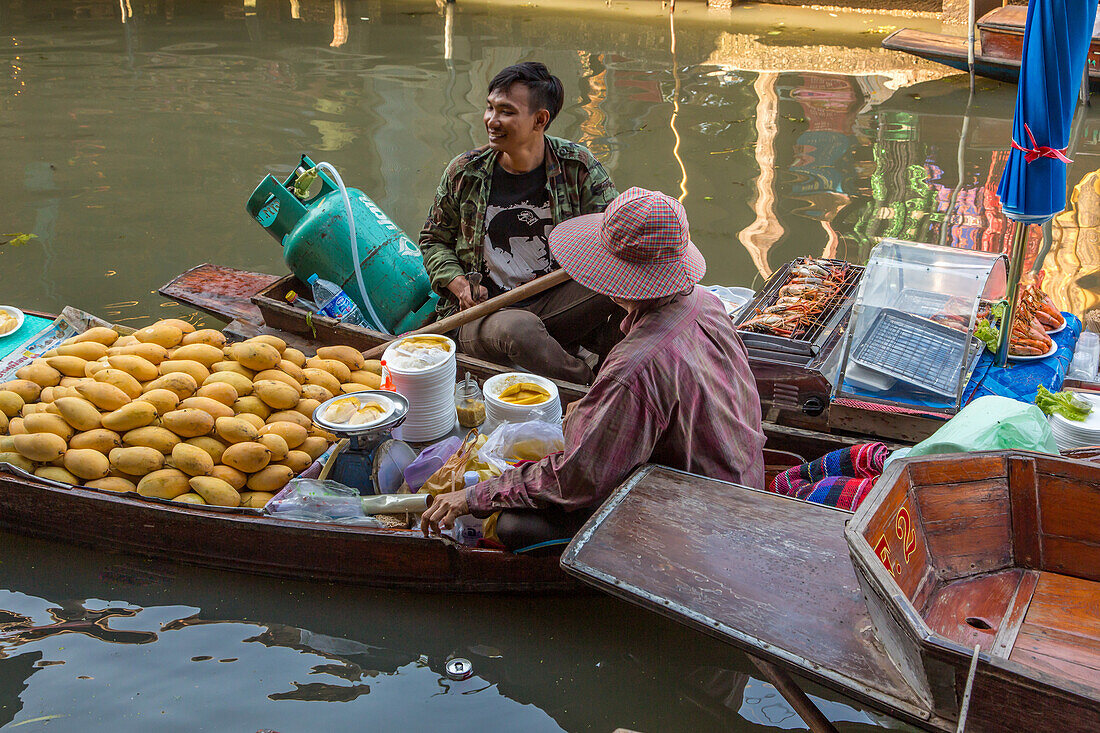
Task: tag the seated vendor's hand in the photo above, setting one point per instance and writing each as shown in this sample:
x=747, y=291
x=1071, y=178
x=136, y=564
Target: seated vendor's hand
x=460, y=288
x=443, y=512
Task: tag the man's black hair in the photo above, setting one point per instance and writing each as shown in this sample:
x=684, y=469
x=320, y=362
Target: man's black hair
x=544, y=89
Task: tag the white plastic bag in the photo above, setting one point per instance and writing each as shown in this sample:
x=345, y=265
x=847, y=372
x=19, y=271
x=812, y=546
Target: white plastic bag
x=512, y=443
x=313, y=500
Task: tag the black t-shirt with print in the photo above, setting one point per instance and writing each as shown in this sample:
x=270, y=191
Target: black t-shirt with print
x=517, y=226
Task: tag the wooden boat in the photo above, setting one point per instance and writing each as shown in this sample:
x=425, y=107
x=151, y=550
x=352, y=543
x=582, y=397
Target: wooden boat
x=997, y=549
x=246, y=540
x=1000, y=33
x=252, y=298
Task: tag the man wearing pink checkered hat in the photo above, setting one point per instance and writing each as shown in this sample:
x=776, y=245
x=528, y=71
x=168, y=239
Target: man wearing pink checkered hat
x=677, y=390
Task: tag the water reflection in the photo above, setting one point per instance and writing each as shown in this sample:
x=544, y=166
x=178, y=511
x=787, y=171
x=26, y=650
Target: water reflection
x=239, y=650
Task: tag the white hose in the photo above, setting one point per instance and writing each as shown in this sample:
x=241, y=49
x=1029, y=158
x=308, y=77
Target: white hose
x=328, y=168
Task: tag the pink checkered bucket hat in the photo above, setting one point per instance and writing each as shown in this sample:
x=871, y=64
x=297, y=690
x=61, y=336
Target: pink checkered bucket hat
x=637, y=249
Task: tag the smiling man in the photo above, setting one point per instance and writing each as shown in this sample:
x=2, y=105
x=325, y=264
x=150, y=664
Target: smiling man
x=493, y=212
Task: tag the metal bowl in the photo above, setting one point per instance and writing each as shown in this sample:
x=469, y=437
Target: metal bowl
x=396, y=416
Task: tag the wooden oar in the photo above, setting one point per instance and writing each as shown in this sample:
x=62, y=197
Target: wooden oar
x=492, y=305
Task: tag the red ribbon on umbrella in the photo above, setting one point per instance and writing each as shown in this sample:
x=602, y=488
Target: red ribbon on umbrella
x=1039, y=151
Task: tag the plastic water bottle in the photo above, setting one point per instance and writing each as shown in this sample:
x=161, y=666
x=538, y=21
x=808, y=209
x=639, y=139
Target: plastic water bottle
x=335, y=303
x=299, y=302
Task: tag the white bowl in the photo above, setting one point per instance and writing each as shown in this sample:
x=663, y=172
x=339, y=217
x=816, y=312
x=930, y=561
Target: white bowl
x=14, y=312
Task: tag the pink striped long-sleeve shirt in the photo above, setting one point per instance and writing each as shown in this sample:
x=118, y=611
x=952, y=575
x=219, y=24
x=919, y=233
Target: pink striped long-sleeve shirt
x=676, y=391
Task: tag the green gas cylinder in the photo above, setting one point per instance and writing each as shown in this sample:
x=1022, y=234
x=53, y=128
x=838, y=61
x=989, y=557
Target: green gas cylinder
x=315, y=238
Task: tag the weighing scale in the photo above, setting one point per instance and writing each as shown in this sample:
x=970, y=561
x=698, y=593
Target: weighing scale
x=373, y=461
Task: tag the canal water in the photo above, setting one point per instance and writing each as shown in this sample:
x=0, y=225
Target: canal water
x=133, y=131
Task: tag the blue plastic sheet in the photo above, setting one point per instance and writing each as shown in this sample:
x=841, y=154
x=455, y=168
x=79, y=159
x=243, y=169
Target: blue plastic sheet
x=31, y=326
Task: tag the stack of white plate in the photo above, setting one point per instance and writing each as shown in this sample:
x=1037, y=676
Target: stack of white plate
x=429, y=386
x=1071, y=434
x=498, y=411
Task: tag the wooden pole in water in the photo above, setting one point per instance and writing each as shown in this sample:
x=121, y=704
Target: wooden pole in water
x=793, y=694
x=492, y=305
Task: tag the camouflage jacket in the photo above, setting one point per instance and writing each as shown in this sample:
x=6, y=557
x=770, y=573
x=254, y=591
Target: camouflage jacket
x=454, y=233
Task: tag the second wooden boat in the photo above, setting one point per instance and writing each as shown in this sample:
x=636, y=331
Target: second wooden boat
x=1000, y=33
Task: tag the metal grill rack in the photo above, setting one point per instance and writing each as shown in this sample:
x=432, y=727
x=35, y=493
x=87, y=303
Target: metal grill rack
x=799, y=349
x=914, y=350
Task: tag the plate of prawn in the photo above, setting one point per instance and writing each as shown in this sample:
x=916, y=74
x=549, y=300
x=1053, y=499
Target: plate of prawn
x=1035, y=357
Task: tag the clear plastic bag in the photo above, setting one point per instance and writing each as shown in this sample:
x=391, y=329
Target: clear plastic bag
x=513, y=443
x=313, y=500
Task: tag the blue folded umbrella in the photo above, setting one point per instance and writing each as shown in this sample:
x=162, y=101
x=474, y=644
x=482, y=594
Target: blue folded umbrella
x=1056, y=42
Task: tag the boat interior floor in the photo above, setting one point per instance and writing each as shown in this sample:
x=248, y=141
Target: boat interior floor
x=1029, y=617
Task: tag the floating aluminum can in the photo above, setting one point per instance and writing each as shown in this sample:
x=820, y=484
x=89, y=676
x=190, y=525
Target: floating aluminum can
x=459, y=668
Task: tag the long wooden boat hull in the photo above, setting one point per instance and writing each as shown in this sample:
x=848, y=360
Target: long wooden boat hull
x=247, y=541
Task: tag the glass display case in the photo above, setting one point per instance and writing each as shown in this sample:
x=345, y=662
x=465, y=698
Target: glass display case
x=910, y=340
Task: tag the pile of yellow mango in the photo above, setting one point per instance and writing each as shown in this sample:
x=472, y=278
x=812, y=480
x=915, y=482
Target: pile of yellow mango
x=175, y=413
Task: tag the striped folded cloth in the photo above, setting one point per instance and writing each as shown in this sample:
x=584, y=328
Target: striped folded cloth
x=839, y=479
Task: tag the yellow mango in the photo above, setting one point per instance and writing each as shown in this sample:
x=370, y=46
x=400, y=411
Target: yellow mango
x=162, y=439
x=70, y=366
x=137, y=460
x=252, y=404
x=369, y=379
x=192, y=460
x=235, y=430
x=206, y=404
x=100, y=439
x=40, y=447
x=92, y=368
x=27, y=390
x=255, y=355
x=275, y=394
x=291, y=416
x=292, y=434
x=40, y=372
x=140, y=369
x=246, y=457
x=267, y=338
x=307, y=407
x=78, y=412
x=292, y=370
x=86, y=463
x=252, y=419
x=215, y=491
x=184, y=326
x=104, y=396
x=322, y=378
x=132, y=416
x=182, y=384
x=241, y=384
x=208, y=336
x=270, y=479
x=314, y=447
x=17, y=460
x=351, y=358
x=230, y=475
x=256, y=499
x=98, y=334
x=118, y=378
x=112, y=483
x=275, y=444
x=152, y=353
x=213, y=447
x=297, y=461
x=189, y=422
x=336, y=368
x=10, y=403
x=167, y=483
x=161, y=335
x=204, y=354
x=164, y=400
x=316, y=392
x=57, y=473
x=374, y=366
x=279, y=376
x=294, y=356
x=15, y=426
x=220, y=391
x=197, y=371
x=232, y=366
x=86, y=350
x=45, y=422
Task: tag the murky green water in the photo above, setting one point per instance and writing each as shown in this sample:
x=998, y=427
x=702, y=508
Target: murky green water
x=128, y=150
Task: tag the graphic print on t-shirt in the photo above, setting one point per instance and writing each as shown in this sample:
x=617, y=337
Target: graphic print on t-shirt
x=517, y=227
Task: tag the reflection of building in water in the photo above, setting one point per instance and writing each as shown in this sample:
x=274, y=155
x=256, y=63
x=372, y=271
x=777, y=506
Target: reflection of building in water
x=1073, y=265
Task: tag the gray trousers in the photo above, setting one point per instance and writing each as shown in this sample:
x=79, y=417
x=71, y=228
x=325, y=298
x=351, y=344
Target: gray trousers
x=540, y=333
